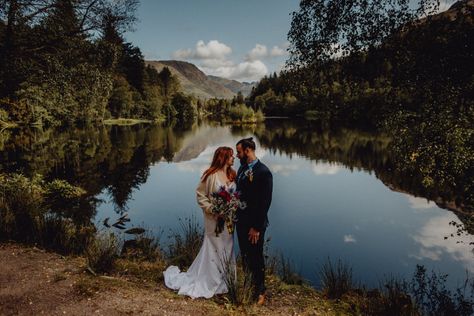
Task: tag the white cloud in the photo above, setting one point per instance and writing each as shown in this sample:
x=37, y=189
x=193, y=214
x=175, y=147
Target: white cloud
x=325, y=168
x=212, y=50
x=420, y=203
x=284, y=170
x=250, y=70
x=245, y=71
x=182, y=54
x=349, y=239
x=277, y=51
x=433, y=245
x=259, y=51
x=214, y=60
x=192, y=167
x=216, y=63
x=424, y=253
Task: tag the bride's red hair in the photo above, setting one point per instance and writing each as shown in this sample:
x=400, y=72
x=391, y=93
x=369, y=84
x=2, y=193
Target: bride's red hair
x=221, y=155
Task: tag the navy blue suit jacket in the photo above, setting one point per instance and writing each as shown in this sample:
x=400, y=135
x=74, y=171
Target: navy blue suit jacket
x=256, y=192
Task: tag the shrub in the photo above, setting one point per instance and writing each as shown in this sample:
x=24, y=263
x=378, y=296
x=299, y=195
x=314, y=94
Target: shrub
x=102, y=252
x=21, y=206
x=242, y=113
x=35, y=211
x=432, y=297
x=336, y=279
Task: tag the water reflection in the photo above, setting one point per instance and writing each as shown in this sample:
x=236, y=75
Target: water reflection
x=420, y=203
x=336, y=193
x=434, y=248
x=95, y=158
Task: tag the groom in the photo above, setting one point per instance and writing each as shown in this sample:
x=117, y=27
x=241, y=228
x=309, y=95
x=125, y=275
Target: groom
x=255, y=183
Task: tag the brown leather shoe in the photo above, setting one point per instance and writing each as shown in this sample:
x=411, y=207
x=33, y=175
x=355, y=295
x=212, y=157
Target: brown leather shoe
x=261, y=299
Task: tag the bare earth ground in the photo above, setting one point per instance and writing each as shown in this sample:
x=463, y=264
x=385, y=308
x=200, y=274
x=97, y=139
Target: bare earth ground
x=37, y=282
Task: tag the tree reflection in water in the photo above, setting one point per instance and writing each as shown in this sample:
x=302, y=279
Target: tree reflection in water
x=118, y=158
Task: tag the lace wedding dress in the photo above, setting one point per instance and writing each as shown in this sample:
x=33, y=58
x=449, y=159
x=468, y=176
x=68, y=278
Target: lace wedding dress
x=205, y=278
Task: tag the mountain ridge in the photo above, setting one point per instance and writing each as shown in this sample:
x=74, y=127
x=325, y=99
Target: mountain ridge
x=195, y=82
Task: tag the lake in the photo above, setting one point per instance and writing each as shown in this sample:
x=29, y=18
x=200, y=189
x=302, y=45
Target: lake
x=336, y=193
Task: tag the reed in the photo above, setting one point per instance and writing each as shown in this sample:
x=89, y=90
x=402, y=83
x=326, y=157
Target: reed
x=336, y=278
x=185, y=242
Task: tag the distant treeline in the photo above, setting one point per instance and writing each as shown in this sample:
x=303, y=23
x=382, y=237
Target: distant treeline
x=66, y=61
x=358, y=64
x=418, y=70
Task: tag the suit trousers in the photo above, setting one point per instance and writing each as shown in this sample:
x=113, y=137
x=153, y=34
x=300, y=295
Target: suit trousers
x=253, y=260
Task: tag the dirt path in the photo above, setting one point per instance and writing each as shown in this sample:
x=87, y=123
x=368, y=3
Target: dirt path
x=36, y=282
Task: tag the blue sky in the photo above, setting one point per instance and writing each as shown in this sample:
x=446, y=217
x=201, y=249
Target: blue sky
x=242, y=40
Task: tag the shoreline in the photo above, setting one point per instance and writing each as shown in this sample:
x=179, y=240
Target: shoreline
x=42, y=282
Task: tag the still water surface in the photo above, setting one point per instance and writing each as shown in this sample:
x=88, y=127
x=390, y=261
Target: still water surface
x=336, y=193
x=320, y=209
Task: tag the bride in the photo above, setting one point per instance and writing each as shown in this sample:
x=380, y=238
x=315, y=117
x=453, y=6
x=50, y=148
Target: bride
x=205, y=278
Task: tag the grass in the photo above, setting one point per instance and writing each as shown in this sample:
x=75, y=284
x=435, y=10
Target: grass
x=62, y=235
x=287, y=272
x=33, y=211
x=336, y=278
x=239, y=284
x=142, y=271
x=142, y=258
x=102, y=252
x=6, y=125
x=144, y=247
x=185, y=243
x=89, y=286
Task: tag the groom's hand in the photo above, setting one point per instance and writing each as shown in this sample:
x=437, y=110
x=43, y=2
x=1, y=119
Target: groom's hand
x=254, y=235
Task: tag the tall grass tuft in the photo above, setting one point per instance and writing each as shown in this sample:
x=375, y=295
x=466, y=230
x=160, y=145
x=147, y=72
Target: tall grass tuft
x=271, y=259
x=102, y=252
x=287, y=272
x=239, y=284
x=336, y=279
x=185, y=243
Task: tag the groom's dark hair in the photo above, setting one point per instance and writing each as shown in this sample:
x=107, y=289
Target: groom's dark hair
x=247, y=143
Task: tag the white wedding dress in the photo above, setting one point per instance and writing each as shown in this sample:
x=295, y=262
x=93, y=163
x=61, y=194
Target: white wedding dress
x=205, y=278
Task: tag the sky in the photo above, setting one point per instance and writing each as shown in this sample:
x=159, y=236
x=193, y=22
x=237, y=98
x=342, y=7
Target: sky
x=242, y=40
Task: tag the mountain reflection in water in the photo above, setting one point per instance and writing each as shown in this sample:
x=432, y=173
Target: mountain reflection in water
x=337, y=192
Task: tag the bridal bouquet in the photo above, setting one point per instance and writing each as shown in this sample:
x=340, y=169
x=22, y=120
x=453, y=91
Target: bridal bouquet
x=225, y=204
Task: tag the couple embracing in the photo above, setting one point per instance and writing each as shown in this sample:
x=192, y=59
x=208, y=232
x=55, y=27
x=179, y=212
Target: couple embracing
x=253, y=182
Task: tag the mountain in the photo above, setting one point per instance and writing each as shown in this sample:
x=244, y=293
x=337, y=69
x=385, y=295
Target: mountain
x=194, y=81
x=234, y=85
